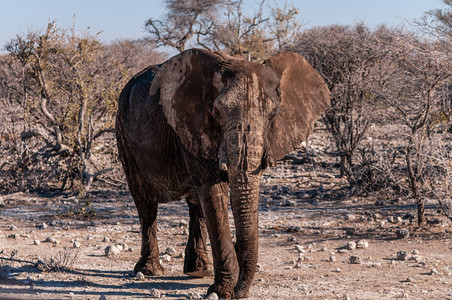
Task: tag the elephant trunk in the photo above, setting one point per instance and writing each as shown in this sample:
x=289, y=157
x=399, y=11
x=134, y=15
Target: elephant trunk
x=244, y=192
x=244, y=202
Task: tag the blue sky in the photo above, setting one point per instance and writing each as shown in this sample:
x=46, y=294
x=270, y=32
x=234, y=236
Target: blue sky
x=118, y=19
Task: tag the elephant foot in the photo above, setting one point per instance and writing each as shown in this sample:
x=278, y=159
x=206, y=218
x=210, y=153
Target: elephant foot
x=224, y=291
x=197, y=265
x=149, y=266
x=241, y=291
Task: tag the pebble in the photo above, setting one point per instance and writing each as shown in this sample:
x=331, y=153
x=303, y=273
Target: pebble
x=332, y=258
x=140, y=276
x=76, y=244
x=354, y=259
x=403, y=255
x=289, y=203
x=41, y=226
x=183, y=223
x=416, y=258
x=375, y=264
x=350, y=246
x=106, y=239
x=36, y=242
x=259, y=268
x=402, y=233
x=350, y=217
x=193, y=296
x=298, y=265
x=212, y=296
x=434, y=272
x=154, y=293
x=292, y=239
x=12, y=227
x=170, y=251
x=52, y=240
x=166, y=258
x=111, y=250
x=362, y=244
x=415, y=252
x=299, y=248
x=337, y=270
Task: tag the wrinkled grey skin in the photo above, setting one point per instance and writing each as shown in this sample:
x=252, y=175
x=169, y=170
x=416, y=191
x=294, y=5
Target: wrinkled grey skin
x=201, y=125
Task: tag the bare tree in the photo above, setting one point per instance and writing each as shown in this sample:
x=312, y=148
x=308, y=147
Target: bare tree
x=223, y=25
x=415, y=77
x=438, y=22
x=184, y=19
x=70, y=87
x=345, y=57
x=284, y=27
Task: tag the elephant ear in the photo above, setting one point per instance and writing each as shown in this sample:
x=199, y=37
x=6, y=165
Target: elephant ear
x=304, y=97
x=185, y=86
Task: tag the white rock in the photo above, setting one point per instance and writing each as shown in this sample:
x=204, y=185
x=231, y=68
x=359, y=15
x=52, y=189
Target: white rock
x=52, y=240
x=193, y=296
x=350, y=217
x=166, y=257
x=434, y=272
x=76, y=244
x=36, y=242
x=154, y=293
x=362, y=244
x=332, y=258
x=299, y=248
x=212, y=296
x=140, y=276
x=112, y=250
x=350, y=246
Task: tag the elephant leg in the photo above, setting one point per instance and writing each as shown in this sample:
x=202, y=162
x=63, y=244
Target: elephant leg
x=149, y=263
x=214, y=203
x=197, y=262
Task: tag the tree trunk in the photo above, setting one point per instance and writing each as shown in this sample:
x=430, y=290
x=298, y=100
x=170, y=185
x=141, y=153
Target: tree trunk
x=414, y=186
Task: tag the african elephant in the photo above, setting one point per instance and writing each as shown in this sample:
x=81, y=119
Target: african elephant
x=202, y=126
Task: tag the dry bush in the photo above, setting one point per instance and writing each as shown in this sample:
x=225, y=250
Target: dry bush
x=63, y=262
x=63, y=86
x=347, y=58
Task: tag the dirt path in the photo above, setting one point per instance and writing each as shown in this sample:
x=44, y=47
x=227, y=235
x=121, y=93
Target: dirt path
x=304, y=233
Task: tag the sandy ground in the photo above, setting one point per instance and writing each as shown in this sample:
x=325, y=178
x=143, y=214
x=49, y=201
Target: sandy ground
x=303, y=233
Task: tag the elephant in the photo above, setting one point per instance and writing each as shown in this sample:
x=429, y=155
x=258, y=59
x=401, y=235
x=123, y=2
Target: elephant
x=203, y=126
